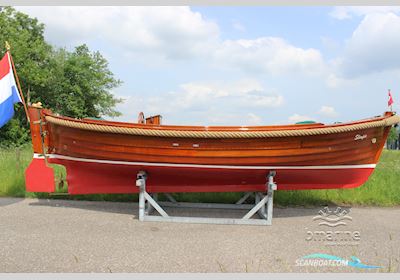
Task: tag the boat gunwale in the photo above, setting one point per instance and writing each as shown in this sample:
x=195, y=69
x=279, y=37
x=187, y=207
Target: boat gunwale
x=218, y=128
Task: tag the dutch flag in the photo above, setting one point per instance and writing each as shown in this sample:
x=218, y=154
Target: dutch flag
x=9, y=94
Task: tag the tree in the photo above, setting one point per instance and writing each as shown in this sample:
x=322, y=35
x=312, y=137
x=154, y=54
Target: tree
x=392, y=138
x=77, y=84
x=81, y=84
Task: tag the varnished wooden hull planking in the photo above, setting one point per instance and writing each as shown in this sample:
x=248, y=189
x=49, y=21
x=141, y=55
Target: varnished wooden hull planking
x=104, y=162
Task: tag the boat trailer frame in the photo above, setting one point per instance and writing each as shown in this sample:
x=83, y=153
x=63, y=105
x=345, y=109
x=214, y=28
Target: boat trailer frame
x=263, y=206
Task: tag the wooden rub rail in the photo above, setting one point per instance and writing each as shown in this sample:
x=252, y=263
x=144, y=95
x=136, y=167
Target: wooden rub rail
x=223, y=134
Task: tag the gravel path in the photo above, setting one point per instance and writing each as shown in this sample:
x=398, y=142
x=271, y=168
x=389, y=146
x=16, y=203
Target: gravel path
x=81, y=236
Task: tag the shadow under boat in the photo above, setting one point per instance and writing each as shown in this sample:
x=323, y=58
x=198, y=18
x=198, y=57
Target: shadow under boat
x=132, y=208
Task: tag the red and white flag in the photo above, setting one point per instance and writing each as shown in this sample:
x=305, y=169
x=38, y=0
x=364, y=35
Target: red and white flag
x=390, y=101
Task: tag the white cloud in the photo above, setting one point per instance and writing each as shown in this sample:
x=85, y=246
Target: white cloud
x=269, y=55
x=172, y=32
x=238, y=26
x=333, y=81
x=211, y=103
x=325, y=111
x=348, y=12
x=373, y=47
x=242, y=93
x=299, y=118
x=328, y=111
x=253, y=119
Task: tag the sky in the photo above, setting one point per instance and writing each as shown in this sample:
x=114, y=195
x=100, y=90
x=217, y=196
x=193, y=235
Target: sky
x=240, y=65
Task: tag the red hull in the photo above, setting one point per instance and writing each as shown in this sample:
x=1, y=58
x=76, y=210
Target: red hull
x=93, y=177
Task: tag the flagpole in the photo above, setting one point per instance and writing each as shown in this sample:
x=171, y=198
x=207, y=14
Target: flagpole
x=17, y=79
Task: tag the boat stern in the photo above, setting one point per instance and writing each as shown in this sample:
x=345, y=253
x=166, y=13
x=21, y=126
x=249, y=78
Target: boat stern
x=39, y=176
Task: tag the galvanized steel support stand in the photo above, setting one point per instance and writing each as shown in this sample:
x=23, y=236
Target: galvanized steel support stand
x=263, y=206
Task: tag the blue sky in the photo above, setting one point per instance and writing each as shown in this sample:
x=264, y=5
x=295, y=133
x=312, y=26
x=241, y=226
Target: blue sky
x=240, y=65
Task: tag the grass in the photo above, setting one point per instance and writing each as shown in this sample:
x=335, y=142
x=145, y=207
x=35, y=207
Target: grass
x=382, y=189
x=12, y=165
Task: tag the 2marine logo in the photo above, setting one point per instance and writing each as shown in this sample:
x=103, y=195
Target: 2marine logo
x=332, y=218
x=333, y=237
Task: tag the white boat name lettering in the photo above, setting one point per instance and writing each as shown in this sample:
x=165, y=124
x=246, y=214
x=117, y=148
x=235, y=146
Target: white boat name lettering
x=360, y=137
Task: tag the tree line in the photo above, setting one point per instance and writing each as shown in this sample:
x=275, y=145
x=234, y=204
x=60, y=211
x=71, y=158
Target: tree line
x=74, y=83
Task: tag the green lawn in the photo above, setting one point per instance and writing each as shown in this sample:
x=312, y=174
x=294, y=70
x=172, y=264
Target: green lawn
x=382, y=189
x=12, y=165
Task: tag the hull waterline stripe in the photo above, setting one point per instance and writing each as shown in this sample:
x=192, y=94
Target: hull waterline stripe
x=55, y=156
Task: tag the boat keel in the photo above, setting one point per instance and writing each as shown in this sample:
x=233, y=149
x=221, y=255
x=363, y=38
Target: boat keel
x=39, y=177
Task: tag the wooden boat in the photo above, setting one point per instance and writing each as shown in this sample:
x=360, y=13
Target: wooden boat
x=104, y=157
